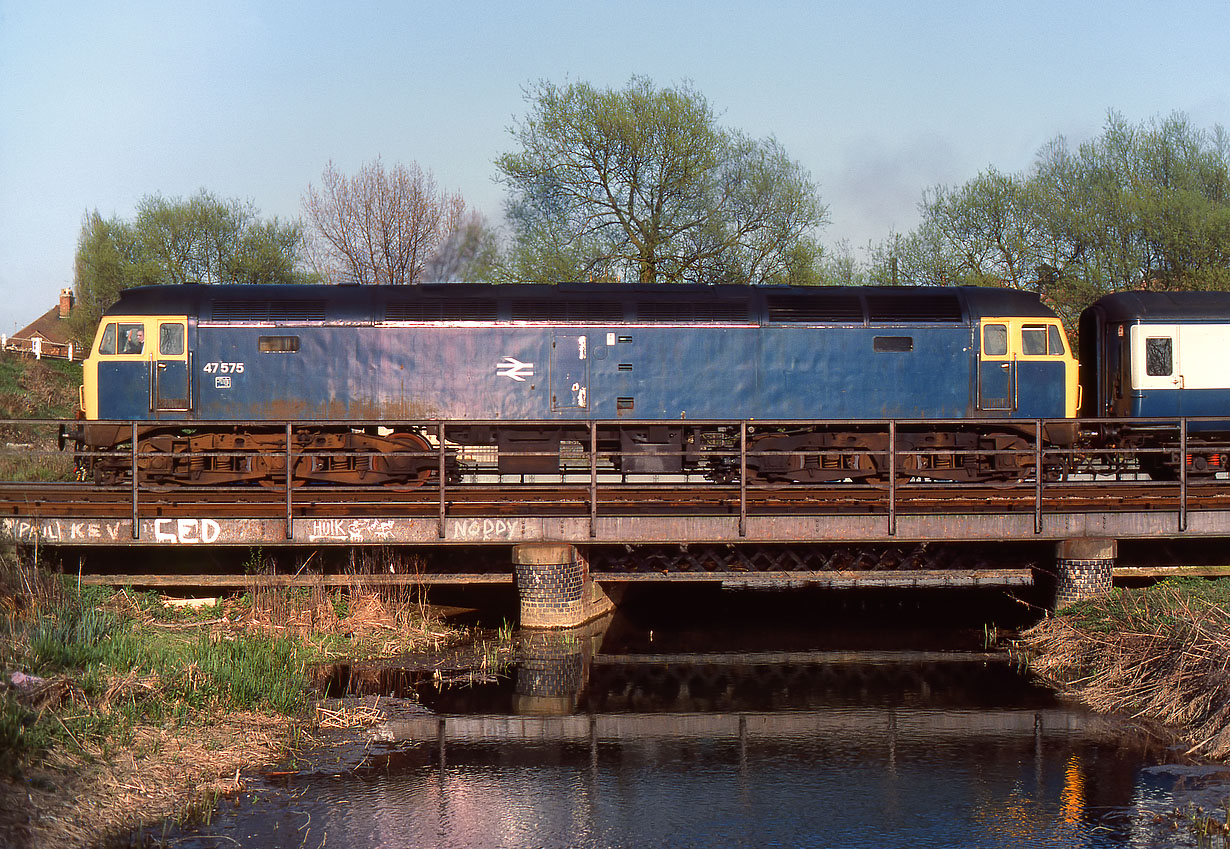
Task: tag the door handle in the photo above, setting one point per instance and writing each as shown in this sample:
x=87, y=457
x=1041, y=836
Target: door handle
x=1004, y=366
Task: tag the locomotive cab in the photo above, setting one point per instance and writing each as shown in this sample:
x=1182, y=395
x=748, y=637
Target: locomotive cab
x=138, y=368
x=1025, y=368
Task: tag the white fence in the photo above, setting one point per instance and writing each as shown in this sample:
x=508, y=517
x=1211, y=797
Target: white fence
x=39, y=348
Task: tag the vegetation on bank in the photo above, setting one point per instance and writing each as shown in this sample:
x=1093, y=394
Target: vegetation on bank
x=35, y=389
x=118, y=707
x=1157, y=652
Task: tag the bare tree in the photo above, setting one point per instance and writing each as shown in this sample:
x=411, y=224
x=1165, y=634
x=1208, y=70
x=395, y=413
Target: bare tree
x=378, y=226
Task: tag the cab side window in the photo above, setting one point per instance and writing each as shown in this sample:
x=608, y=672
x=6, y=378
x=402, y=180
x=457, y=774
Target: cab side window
x=132, y=338
x=106, y=345
x=1033, y=340
x=995, y=340
x=1055, y=343
x=171, y=340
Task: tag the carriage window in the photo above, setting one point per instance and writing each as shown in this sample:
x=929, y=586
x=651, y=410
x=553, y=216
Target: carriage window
x=171, y=340
x=893, y=344
x=1055, y=343
x=1159, y=356
x=278, y=344
x=995, y=340
x=1033, y=340
x=132, y=338
x=106, y=345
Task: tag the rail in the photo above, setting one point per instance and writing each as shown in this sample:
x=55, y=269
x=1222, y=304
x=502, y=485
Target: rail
x=1193, y=452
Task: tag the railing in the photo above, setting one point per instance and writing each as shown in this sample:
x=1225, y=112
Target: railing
x=39, y=348
x=1112, y=453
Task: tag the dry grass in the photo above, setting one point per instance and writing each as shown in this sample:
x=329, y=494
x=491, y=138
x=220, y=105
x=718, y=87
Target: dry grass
x=77, y=798
x=1161, y=654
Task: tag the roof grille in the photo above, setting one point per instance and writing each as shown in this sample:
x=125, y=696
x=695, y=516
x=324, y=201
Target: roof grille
x=450, y=309
x=577, y=312
x=815, y=308
x=682, y=312
x=262, y=310
x=914, y=307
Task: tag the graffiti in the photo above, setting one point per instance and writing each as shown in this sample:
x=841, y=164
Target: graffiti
x=186, y=531
x=351, y=530
x=59, y=531
x=487, y=530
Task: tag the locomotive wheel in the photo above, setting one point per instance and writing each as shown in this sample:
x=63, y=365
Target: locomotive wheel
x=412, y=442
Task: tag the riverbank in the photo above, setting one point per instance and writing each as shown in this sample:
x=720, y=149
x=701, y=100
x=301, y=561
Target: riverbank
x=1159, y=653
x=120, y=710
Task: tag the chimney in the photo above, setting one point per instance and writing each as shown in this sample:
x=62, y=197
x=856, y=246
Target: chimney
x=66, y=302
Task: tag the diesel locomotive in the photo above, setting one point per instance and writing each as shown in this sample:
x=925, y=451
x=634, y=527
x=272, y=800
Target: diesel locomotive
x=357, y=376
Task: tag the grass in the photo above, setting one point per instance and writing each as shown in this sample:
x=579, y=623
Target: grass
x=102, y=665
x=35, y=389
x=1157, y=653
x=143, y=710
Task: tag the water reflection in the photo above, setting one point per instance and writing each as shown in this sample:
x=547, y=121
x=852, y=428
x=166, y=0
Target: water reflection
x=596, y=742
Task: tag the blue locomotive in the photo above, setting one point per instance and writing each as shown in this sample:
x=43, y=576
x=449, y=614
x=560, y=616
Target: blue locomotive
x=362, y=373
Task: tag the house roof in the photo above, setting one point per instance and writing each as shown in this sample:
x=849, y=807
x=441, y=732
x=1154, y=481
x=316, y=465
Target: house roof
x=48, y=326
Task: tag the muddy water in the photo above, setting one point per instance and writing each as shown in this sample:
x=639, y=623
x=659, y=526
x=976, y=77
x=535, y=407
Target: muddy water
x=669, y=729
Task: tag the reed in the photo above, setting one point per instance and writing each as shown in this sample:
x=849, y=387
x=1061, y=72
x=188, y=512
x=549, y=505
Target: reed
x=1158, y=653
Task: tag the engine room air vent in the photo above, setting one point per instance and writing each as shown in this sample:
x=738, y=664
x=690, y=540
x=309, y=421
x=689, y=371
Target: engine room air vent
x=449, y=309
x=914, y=307
x=682, y=312
x=571, y=311
x=815, y=308
x=266, y=311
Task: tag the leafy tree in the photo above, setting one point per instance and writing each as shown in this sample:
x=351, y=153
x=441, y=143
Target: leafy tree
x=172, y=241
x=379, y=226
x=1138, y=206
x=642, y=182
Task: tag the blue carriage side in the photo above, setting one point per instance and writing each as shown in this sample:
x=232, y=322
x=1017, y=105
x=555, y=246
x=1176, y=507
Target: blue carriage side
x=1156, y=357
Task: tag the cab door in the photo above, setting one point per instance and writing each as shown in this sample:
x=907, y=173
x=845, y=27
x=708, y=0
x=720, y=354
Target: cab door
x=996, y=369
x=171, y=390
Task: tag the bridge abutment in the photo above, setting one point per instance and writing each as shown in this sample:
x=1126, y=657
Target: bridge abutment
x=1084, y=569
x=555, y=588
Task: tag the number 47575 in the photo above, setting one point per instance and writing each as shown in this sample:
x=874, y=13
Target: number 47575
x=223, y=368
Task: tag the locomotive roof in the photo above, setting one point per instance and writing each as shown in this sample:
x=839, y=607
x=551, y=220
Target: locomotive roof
x=1163, y=306
x=601, y=303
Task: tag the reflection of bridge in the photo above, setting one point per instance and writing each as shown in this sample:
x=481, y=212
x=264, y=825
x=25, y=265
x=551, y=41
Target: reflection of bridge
x=873, y=727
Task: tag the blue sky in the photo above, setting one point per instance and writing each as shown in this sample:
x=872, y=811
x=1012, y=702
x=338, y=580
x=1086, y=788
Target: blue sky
x=102, y=103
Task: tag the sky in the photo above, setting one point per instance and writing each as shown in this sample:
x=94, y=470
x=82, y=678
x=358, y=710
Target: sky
x=105, y=102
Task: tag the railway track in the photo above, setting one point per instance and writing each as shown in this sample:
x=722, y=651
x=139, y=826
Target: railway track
x=79, y=500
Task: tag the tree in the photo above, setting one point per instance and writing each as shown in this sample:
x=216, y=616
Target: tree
x=378, y=226
x=643, y=182
x=1137, y=206
x=173, y=241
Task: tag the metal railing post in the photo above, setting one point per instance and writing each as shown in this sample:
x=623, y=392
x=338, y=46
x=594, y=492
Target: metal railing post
x=440, y=472
x=135, y=520
x=1182, y=474
x=1038, y=476
x=290, y=529
x=742, y=478
x=892, y=477
x=593, y=480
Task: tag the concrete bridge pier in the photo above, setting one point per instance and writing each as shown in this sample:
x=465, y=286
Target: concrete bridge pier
x=1084, y=569
x=555, y=588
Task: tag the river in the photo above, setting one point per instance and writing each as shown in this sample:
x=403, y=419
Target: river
x=883, y=722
